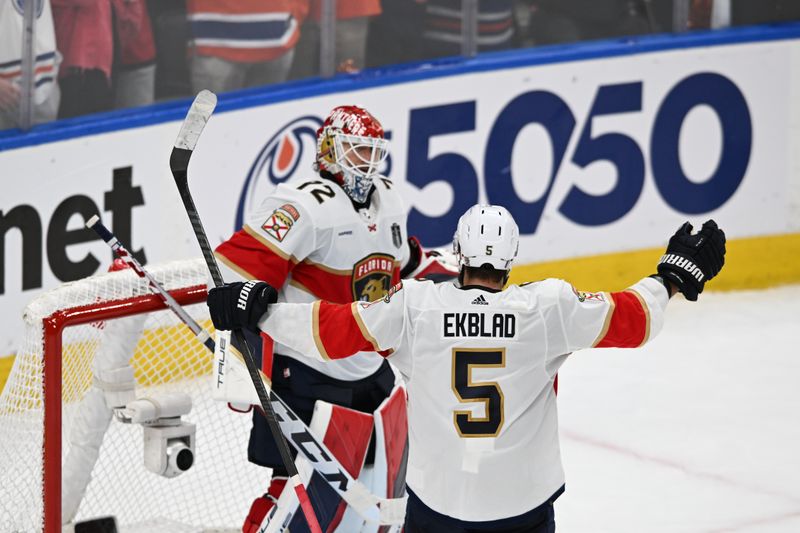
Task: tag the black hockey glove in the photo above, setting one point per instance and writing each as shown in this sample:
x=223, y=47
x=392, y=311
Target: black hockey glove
x=691, y=260
x=240, y=305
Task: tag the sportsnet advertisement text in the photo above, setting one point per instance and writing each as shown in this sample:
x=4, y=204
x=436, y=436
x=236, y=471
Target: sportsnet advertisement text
x=592, y=154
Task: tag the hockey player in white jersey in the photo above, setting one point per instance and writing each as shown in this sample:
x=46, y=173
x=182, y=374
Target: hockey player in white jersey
x=480, y=363
x=341, y=237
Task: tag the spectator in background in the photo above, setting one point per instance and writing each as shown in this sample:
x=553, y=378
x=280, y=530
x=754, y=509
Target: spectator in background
x=46, y=93
x=242, y=43
x=563, y=21
x=394, y=36
x=134, y=74
x=442, y=31
x=84, y=37
x=414, y=30
x=763, y=11
x=352, y=22
x=171, y=33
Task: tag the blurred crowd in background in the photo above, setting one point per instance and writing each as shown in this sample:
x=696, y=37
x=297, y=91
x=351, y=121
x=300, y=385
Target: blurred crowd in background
x=90, y=56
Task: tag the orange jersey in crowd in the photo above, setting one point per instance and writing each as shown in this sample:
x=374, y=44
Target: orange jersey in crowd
x=247, y=31
x=348, y=9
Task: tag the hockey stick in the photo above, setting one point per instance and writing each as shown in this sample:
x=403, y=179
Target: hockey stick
x=105, y=234
x=300, y=436
x=192, y=127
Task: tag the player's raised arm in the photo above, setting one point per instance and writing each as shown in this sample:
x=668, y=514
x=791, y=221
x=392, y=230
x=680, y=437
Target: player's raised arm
x=629, y=318
x=319, y=330
x=433, y=265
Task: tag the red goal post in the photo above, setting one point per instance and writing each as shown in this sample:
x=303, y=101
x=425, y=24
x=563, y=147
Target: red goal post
x=49, y=411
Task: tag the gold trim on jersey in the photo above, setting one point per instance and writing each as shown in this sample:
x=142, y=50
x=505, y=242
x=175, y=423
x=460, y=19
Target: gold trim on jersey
x=233, y=266
x=607, y=323
x=646, y=315
x=300, y=286
x=338, y=271
x=470, y=383
x=363, y=327
x=315, y=331
x=263, y=240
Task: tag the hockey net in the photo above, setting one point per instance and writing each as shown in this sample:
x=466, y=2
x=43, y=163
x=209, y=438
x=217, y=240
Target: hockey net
x=45, y=406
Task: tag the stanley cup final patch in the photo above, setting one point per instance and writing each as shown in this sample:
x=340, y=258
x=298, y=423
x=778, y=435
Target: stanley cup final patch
x=397, y=235
x=280, y=222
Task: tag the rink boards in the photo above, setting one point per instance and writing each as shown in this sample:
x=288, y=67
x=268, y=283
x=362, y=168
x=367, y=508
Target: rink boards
x=600, y=150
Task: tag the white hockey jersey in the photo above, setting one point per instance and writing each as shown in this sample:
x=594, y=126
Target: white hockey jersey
x=46, y=60
x=308, y=240
x=480, y=367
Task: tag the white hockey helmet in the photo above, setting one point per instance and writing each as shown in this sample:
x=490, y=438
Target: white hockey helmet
x=486, y=234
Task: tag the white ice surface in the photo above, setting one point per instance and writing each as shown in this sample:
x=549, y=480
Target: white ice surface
x=698, y=431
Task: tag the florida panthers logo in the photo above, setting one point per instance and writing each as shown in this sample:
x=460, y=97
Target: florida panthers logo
x=290, y=148
x=372, y=277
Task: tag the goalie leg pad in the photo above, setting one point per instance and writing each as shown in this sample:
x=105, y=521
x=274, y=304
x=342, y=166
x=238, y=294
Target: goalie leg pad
x=346, y=433
x=391, y=445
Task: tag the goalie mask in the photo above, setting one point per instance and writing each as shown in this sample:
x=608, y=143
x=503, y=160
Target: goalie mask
x=350, y=145
x=486, y=235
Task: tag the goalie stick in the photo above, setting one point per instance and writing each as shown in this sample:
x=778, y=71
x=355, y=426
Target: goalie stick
x=300, y=436
x=199, y=113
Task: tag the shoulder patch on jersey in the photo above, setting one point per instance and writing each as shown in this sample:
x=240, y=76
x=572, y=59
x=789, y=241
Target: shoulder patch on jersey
x=292, y=210
x=280, y=222
x=589, y=296
x=397, y=235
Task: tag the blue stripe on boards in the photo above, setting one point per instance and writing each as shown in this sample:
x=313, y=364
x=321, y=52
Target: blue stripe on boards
x=175, y=110
x=240, y=31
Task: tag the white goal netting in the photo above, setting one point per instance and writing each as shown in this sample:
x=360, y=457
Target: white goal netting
x=213, y=494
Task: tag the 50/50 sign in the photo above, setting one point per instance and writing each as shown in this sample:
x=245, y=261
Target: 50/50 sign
x=551, y=112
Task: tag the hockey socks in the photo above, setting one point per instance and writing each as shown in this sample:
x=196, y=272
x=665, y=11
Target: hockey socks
x=262, y=505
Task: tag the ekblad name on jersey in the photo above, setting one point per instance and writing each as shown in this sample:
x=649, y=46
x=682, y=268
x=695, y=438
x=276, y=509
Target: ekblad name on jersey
x=309, y=241
x=480, y=367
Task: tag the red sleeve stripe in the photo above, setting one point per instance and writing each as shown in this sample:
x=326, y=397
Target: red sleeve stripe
x=233, y=266
x=254, y=258
x=606, y=323
x=629, y=325
x=263, y=240
x=336, y=332
x=329, y=270
x=323, y=284
x=646, y=315
x=316, y=330
x=363, y=328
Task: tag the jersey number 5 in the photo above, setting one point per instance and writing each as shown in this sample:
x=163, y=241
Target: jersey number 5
x=488, y=393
